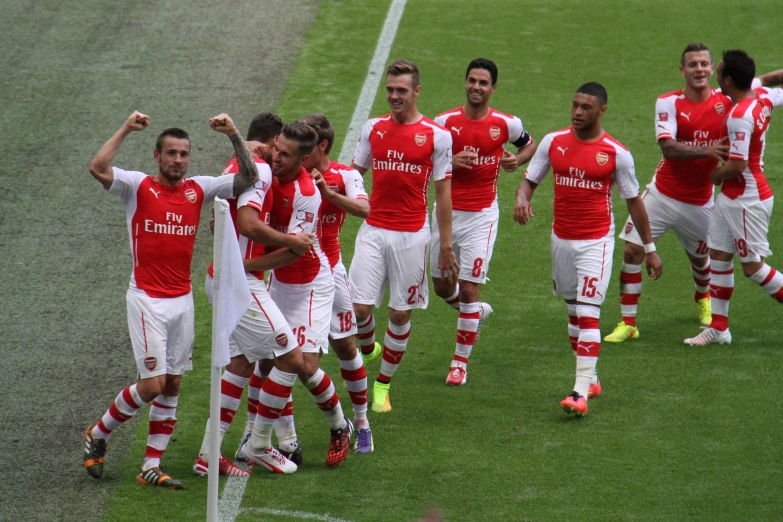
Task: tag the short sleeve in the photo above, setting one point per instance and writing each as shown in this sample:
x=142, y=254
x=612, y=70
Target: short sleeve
x=441, y=155
x=775, y=95
x=126, y=183
x=216, y=186
x=740, y=131
x=665, y=119
x=362, y=155
x=517, y=135
x=354, y=184
x=625, y=175
x=304, y=217
x=539, y=166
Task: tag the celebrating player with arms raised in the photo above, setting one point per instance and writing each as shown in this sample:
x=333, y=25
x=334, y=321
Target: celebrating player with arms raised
x=586, y=161
x=405, y=151
x=479, y=133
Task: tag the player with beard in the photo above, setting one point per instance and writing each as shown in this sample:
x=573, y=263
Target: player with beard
x=585, y=161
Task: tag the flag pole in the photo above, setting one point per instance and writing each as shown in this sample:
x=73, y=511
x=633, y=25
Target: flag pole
x=221, y=214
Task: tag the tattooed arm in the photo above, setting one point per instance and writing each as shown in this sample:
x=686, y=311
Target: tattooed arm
x=247, y=175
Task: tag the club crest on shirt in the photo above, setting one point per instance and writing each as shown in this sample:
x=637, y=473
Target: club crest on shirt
x=191, y=195
x=628, y=227
x=420, y=139
x=282, y=340
x=602, y=158
x=494, y=132
x=150, y=363
x=285, y=201
x=663, y=116
x=719, y=108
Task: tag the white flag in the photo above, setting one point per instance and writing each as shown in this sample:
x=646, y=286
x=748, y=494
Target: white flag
x=232, y=295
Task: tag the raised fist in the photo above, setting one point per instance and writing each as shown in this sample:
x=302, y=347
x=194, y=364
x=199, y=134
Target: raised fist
x=223, y=123
x=137, y=121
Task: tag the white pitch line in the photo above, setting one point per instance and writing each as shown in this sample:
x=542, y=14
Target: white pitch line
x=228, y=507
x=294, y=514
x=373, y=79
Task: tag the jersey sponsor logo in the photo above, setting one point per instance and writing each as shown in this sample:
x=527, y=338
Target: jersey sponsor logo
x=282, y=340
x=420, y=139
x=302, y=215
x=602, y=158
x=628, y=227
x=150, y=363
x=154, y=192
x=663, y=116
x=379, y=133
x=576, y=179
x=395, y=162
x=456, y=129
x=191, y=195
x=172, y=227
x=328, y=219
x=686, y=116
x=561, y=149
x=494, y=132
x=719, y=108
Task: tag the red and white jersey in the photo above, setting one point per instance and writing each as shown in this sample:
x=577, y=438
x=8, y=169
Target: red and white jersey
x=698, y=124
x=584, y=174
x=162, y=226
x=295, y=210
x=348, y=182
x=247, y=247
x=475, y=189
x=403, y=158
x=747, y=127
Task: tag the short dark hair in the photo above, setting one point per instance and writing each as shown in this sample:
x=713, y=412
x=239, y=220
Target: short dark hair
x=303, y=133
x=740, y=67
x=694, y=47
x=595, y=89
x=322, y=127
x=264, y=126
x=400, y=67
x=487, y=65
x=172, y=132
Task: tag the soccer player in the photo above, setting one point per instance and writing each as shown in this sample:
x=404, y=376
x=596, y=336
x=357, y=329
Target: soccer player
x=479, y=134
x=303, y=289
x=342, y=191
x=405, y=151
x=742, y=209
x=262, y=328
x=688, y=126
x=163, y=216
x=585, y=161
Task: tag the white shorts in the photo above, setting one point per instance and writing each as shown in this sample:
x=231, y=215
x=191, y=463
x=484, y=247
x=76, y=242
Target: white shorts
x=397, y=258
x=343, y=322
x=263, y=332
x=691, y=223
x=741, y=227
x=308, y=310
x=581, y=269
x=162, y=333
x=473, y=236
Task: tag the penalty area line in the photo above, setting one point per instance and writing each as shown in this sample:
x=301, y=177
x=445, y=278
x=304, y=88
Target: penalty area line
x=372, y=80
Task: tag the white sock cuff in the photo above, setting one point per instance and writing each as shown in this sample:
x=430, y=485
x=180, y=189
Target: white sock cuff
x=588, y=311
x=628, y=268
x=453, y=297
x=469, y=308
x=721, y=266
x=400, y=330
x=234, y=379
x=136, y=397
x=315, y=380
x=283, y=378
x=761, y=275
x=167, y=400
x=353, y=364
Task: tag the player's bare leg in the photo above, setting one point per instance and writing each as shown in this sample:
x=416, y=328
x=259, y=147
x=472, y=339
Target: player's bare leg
x=587, y=349
x=365, y=334
x=355, y=377
x=233, y=382
x=322, y=389
x=275, y=393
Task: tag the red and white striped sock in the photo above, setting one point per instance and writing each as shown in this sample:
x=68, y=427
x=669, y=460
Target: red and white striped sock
x=453, y=301
x=467, y=326
x=124, y=407
x=701, y=278
x=721, y=288
x=231, y=388
x=573, y=326
x=253, y=392
x=365, y=334
x=355, y=378
x=394, y=345
x=322, y=389
x=770, y=280
x=630, y=290
x=285, y=429
x=163, y=418
x=275, y=393
x=588, y=347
